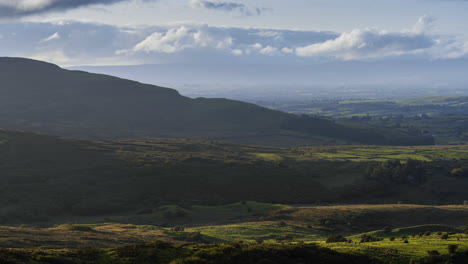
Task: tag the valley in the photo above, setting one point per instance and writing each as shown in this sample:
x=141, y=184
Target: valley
x=88, y=176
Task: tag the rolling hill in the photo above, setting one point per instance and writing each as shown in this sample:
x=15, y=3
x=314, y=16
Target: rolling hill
x=41, y=97
x=46, y=178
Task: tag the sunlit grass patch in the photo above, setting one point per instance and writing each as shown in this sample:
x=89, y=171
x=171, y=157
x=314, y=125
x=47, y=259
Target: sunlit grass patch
x=266, y=231
x=269, y=156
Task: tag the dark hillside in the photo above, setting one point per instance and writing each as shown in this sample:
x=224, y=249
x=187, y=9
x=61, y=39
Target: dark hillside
x=44, y=177
x=41, y=97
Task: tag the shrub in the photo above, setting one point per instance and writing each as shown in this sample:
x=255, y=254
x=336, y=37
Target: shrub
x=452, y=248
x=178, y=229
x=367, y=238
x=444, y=236
x=460, y=172
x=387, y=229
x=433, y=257
x=336, y=239
x=81, y=228
x=392, y=239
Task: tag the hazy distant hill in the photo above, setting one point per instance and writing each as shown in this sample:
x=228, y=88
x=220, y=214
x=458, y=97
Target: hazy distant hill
x=41, y=97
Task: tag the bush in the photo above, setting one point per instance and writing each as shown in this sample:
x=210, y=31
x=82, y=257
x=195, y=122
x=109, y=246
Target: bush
x=392, y=239
x=336, y=239
x=433, y=257
x=387, y=229
x=444, y=236
x=81, y=228
x=460, y=172
x=452, y=248
x=178, y=229
x=367, y=238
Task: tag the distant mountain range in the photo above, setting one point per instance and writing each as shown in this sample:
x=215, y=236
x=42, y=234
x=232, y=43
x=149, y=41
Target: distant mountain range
x=42, y=97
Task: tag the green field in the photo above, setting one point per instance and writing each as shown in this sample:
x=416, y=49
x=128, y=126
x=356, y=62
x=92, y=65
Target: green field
x=280, y=233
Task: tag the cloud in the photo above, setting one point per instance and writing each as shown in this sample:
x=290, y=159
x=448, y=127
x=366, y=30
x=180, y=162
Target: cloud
x=242, y=9
x=449, y=49
x=75, y=43
x=372, y=43
x=19, y=8
x=423, y=25
x=52, y=37
x=183, y=38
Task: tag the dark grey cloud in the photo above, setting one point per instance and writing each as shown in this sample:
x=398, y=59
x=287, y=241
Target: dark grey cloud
x=20, y=8
x=243, y=9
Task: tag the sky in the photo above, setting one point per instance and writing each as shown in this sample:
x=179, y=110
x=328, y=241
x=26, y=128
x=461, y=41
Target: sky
x=295, y=32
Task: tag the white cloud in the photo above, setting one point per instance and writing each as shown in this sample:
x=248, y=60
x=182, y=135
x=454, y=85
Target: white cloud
x=371, y=43
x=449, y=49
x=268, y=50
x=424, y=24
x=256, y=46
x=269, y=34
x=52, y=37
x=287, y=50
x=86, y=43
x=183, y=38
x=237, y=52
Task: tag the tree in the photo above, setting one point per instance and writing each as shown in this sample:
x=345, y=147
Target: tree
x=460, y=172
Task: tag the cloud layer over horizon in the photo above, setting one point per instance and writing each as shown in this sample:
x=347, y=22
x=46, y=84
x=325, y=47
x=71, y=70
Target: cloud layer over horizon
x=77, y=43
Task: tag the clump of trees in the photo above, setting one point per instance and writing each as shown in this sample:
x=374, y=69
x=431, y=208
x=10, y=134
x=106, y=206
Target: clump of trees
x=444, y=236
x=452, y=248
x=336, y=239
x=412, y=171
x=460, y=172
x=368, y=238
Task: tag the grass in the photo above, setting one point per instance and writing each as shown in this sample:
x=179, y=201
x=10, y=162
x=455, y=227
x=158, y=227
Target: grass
x=269, y=156
x=378, y=153
x=197, y=215
x=278, y=226
x=47, y=179
x=399, y=252
x=270, y=232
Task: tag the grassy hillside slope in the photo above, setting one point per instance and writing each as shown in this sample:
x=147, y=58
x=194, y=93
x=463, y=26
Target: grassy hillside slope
x=41, y=97
x=43, y=178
